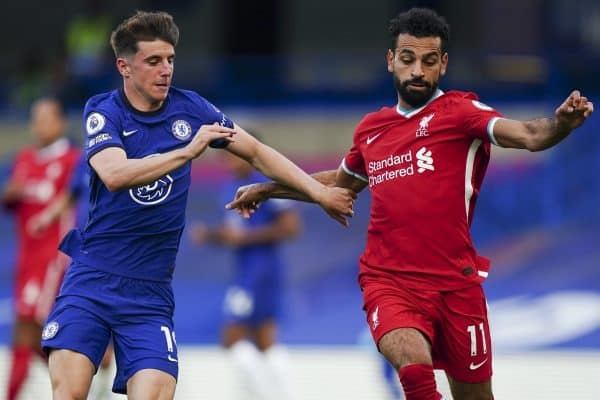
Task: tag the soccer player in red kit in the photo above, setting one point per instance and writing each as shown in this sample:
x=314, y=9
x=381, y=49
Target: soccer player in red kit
x=424, y=160
x=39, y=175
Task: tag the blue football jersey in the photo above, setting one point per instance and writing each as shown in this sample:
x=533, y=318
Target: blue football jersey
x=136, y=232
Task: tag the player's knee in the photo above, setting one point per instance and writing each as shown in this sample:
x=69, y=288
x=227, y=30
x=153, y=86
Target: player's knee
x=151, y=384
x=63, y=390
x=405, y=346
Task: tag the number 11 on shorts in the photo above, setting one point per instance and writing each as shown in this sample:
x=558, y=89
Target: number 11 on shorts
x=472, y=329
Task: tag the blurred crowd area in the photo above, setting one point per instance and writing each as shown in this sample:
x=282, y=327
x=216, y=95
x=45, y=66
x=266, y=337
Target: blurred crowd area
x=298, y=51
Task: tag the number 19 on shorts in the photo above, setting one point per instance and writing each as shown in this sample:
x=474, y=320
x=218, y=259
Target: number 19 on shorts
x=171, y=342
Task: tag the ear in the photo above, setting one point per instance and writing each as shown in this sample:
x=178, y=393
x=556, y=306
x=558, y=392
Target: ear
x=444, y=64
x=390, y=60
x=123, y=67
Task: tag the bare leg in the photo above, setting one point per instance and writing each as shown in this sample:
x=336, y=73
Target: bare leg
x=409, y=352
x=265, y=335
x=471, y=391
x=70, y=374
x=405, y=346
x=151, y=384
x=102, y=384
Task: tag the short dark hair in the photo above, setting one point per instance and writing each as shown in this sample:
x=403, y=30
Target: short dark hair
x=143, y=26
x=420, y=22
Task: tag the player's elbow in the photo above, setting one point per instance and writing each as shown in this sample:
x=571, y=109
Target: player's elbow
x=113, y=182
x=535, y=144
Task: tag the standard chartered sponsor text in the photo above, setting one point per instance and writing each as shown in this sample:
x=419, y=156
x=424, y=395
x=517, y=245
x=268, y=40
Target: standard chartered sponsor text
x=394, y=166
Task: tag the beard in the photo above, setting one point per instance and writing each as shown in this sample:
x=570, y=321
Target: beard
x=415, y=98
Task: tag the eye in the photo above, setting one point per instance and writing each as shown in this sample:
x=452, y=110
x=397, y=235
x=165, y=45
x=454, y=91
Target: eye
x=430, y=61
x=407, y=59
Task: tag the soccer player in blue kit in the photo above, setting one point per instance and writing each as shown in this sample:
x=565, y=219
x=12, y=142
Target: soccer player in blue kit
x=140, y=140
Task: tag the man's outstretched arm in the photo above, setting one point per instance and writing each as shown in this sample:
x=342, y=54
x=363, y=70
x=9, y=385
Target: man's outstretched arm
x=543, y=133
x=248, y=198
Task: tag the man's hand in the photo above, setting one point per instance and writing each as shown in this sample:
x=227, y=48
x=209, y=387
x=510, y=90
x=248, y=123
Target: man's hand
x=205, y=135
x=247, y=199
x=338, y=203
x=573, y=111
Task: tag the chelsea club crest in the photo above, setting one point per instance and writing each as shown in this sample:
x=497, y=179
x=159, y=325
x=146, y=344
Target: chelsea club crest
x=181, y=129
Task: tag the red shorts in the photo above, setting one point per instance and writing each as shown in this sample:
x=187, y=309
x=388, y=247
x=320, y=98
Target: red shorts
x=455, y=322
x=38, y=279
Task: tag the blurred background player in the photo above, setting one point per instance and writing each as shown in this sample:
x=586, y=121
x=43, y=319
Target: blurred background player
x=76, y=196
x=253, y=301
x=39, y=175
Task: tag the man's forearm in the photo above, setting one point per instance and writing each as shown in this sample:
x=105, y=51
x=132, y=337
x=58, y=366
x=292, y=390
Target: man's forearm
x=545, y=133
x=274, y=190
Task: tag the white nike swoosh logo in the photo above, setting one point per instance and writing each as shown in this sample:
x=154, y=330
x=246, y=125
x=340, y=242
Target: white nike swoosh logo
x=475, y=366
x=370, y=139
x=171, y=358
x=127, y=133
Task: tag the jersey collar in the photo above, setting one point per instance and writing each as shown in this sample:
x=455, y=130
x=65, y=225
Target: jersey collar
x=412, y=111
x=134, y=110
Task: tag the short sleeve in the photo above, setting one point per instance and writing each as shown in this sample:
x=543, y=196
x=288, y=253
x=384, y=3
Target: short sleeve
x=353, y=163
x=479, y=119
x=100, y=132
x=214, y=114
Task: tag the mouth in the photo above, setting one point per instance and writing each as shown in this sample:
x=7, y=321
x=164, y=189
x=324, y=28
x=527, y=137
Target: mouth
x=162, y=86
x=417, y=85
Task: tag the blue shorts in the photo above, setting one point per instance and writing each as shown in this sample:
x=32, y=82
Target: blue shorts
x=253, y=302
x=94, y=305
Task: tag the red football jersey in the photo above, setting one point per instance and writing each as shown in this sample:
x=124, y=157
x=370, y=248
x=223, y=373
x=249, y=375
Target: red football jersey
x=424, y=168
x=44, y=173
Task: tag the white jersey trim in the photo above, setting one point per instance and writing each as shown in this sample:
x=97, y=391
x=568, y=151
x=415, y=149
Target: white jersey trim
x=352, y=173
x=490, y=130
x=469, y=174
x=410, y=112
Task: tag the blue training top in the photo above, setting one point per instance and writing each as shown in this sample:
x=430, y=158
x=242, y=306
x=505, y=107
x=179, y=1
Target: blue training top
x=136, y=232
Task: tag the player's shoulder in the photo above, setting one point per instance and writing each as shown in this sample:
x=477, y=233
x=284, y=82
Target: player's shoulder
x=377, y=117
x=25, y=153
x=184, y=98
x=106, y=102
x=467, y=100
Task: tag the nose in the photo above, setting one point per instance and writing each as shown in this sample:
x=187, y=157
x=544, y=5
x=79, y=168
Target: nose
x=167, y=68
x=417, y=70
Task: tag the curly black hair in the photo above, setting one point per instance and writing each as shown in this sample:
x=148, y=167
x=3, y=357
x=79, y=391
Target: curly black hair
x=420, y=22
